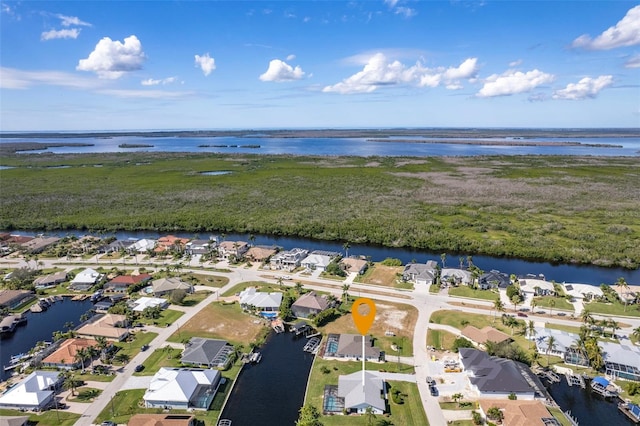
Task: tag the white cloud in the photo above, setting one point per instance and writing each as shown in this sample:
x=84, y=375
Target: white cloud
x=146, y=94
x=633, y=62
x=391, y=3
x=625, y=33
x=163, y=81
x=407, y=12
x=65, y=33
x=291, y=57
x=68, y=21
x=11, y=78
x=112, y=59
x=586, y=88
x=280, y=71
x=379, y=71
x=515, y=63
x=512, y=82
x=206, y=63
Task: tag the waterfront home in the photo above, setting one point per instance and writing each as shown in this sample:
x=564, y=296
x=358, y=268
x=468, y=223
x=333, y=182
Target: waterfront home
x=65, y=357
x=113, y=327
x=121, y=283
x=621, y=360
x=162, y=420
x=289, y=259
x=455, y=276
x=39, y=244
x=315, y=262
x=139, y=305
x=494, y=377
x=182, y=389
x=170, y=243
x=116, y=246
x=628, y=294
x=480, y=337
x=250, y=298
x=348, y=347
x=11, y=299
x=14, y=420
x=354, y=265
x=210, y=353
x=493, y=279
x=309, y=304
x=84, y=280
x=519, y=413
x=260, y=253
x=235, y=249
x=564, y=345
x=420, y=273
x=163, y=286
x=584, y=292
x=50, y=280
x=142, y=246
x=358, y=398
x=35, y=392
x=200, y=247
x=532, y=287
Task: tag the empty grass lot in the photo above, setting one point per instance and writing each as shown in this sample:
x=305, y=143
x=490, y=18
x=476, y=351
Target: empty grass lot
x=388, y=276
x=46, y=418
x=464, y=291
x=440, y=339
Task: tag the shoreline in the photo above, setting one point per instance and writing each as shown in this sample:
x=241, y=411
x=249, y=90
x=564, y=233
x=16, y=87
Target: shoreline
x=493, y=142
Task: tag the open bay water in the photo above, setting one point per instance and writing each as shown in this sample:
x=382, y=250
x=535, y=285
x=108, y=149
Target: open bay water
x=40, y=327
x=271, y=392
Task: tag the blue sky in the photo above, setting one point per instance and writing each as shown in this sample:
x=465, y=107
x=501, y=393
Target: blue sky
x=115, y=65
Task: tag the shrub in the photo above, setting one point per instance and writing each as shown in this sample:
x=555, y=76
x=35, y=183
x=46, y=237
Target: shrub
x=389, y=261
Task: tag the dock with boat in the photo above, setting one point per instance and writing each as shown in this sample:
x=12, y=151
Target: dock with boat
x=603, y=387
x=573, y=379
x=632, y=411
x=312, y=345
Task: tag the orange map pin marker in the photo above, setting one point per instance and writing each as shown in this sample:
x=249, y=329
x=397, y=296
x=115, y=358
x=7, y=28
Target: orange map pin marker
x=363, y=321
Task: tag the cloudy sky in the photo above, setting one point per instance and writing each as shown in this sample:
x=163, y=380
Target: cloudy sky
x=90, y=65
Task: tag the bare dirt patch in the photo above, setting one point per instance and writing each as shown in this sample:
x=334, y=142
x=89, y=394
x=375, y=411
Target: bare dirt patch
x=382, y=275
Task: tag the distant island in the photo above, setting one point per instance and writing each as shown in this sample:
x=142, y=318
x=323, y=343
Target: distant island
x=135, y=145
x=498, y=142
x=37, y=146
x=228, y=146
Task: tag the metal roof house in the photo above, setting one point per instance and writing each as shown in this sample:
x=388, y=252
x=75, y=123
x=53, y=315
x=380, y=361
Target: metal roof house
x=35, y=392
x=358, y=398
x=211, y=353
x=181, y=388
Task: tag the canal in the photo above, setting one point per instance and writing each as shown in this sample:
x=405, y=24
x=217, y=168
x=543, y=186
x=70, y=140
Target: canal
x=274, y=388
x=40, y=327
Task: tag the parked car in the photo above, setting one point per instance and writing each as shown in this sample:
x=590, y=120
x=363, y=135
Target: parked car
x=433, y=390
x=430, y=381
x=144, y=347
x=522, y=314
x=139, y=368
x=108, y=423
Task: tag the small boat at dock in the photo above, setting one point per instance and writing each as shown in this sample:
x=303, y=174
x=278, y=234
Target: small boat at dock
x=632, y=411
x=603, y=387
x=255, y=357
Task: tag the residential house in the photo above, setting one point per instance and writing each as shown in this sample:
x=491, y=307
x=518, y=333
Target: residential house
x=260, y=253
x=121, y=283
x=520, y=413
x=50, y=280
x=358, y=398
x=200, y=247
x=420, y=273
x=289, y=259
x=14, y=420
x=493, y=279
x=628, y=294
x=11, y=299
x=262, y=301
x=455, y=277
x=236, y=249
x=349, y=347
x=494, y=377
x=210, y=353
x=621, y=360
x=84, y=280
x=170, y=243
x=163, y=286
x=35, y=392
x=182, y=389
x=142, y=246
x=354, y=265
x=113, y=327
x=139, y=305
x=315, y=262
x=39, y=244
x=162, y=420
x=65, y=356
x=487, y=334
x=532, y=287
x=564, y=345
x=116, y=246
x=309, y=304
x=584, y=292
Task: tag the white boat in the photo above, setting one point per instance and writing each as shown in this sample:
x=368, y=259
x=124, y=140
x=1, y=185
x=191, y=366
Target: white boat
x=255, y=357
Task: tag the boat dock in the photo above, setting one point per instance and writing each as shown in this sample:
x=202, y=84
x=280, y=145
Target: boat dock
x=603, y=387
x=632, y=411
x=312, y=345
x=277, y=325
x=550, y=375
x=575, y=380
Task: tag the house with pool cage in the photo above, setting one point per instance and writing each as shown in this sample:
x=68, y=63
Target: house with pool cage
x=621, y=361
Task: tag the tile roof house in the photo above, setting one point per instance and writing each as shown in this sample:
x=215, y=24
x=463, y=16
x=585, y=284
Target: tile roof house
x=65, y=356
x=349, y=347
x=35, y=392
x=50, y=280
x=420, y=273
x=484, y=335
x=259, y=253
x=358, y=398
x=121, y=283
x=39, y=244
x=110, y=326
x=211, y=353
x=265, y=302
x=182, y=388
x=309, y=304
x=11, y=299
x=520, y=413
x=170, y=242
x=494, y=377
x=162, y=420
x=164, y=286
x=352, y=264
x=232, y=248
x=85, y=280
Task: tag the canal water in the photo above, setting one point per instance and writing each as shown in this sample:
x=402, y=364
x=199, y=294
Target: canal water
x=274, y=389
x=40, y=327
x=588, y=408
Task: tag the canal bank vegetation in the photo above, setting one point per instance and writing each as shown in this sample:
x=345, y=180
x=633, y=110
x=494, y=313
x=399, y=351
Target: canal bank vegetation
x=553, y=208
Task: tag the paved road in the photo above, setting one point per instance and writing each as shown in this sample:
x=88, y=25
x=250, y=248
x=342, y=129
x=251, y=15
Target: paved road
x=420, y=298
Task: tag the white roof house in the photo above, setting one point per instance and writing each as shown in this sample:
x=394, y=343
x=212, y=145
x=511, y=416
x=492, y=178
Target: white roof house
x=563, y=340
x=35, y=392
x=261, y=300
x=182, y=388
x=316, y=262
x=621, y=360
x=461, y=276
x=358, y=398
x=88, y=276
x=582, y=291
x=537, y=287
x=142, y=303
x=141, y=246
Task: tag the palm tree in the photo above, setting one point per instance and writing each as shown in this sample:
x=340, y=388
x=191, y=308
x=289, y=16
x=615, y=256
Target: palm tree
x=69, y=383
x=636, y=333
x=461, y=261
x=369, y=415
x=551, y=345
x=515, y=300
x=457, y=397
x=346, y=248
x=299, y=288
x=586, y=317
x=531, y=331
x=252, y=238
x=280, y=281
x=622, y=285
x=443, y=257
x=614, y=326
x=552, y=304
x=345, y=293
x=498, y=306
x=81, y=356
x=469, y=262
x=534, y=303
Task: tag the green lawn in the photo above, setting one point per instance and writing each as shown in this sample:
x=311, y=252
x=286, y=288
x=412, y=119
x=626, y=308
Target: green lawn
x=167, y=317
x=560, y=303
x=567, y=328
x=85, y=394
x=260, y=285
x=464, y=291
x=46, y=418
x=132, y=347
x=94, y=377
x=558, y=414
x=164, y=357
x=615, y=309
x=210, y=280
x=195, y=298
x=440, y=339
